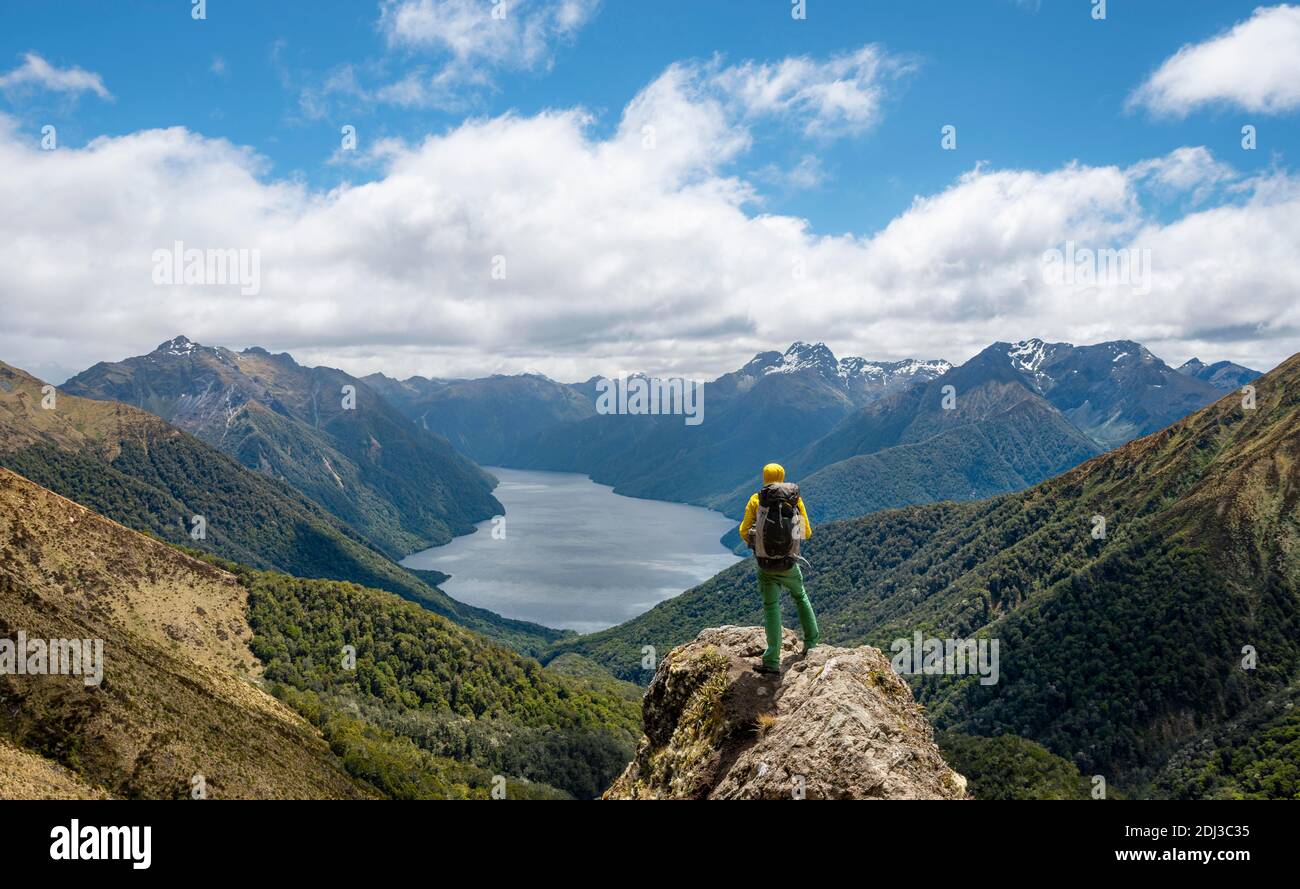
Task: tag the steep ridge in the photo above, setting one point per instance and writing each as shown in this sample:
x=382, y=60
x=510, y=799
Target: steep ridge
x=401, y=487
x=837, y=724
x=133, y=467
x=1117, y=650
x=177, y=698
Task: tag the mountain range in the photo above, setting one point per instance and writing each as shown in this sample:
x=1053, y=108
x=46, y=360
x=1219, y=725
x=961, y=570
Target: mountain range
x=1221, y=374
x=400, y=487
x=135, y=468
x=772, y=406
x=485, y=419
x=861, y=436
x=1011, y=416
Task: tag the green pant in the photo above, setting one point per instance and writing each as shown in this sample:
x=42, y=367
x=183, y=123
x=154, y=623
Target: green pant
x=770, y=584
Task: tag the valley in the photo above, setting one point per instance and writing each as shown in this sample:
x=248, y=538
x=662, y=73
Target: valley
x=949, y=500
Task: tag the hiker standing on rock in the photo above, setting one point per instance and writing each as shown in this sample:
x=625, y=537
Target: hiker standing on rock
x=775, y=522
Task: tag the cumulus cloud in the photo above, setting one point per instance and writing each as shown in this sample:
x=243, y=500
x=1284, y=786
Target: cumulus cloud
x=513, y=34
x=1192, y=171
x=544, y=243
x=1254, y=66
x=37, y=74
x=836, y=96
x=467, y=42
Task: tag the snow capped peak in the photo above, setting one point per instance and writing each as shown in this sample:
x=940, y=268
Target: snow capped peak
x=177, y=346
x=1027, y=355
x=910, y=367
x=850, y=373
x=802, y=356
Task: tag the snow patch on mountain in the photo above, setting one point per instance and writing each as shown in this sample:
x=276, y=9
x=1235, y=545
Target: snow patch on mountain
x=818, y=358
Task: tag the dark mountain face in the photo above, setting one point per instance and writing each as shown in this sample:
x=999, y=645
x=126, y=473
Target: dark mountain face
x=860, y=380
x=486, y=419
x=1006, y=451
x=768, y=410
x=1114, y=392
x=1116, y=649
x=401, y=487
x=1084, y=399
x=1222, y=375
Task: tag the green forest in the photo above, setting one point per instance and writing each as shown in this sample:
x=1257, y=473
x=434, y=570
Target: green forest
x=422, y=690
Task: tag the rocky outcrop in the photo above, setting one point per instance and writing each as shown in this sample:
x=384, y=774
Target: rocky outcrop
x=838, y=723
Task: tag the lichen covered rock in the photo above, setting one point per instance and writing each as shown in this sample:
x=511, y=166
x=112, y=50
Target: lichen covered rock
x=838, y=723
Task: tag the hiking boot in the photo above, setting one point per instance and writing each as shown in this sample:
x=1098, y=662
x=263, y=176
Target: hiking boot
x=761, y=667
x=810, y=644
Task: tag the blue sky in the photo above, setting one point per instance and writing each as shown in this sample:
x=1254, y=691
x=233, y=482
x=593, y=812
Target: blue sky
x=1029, y=86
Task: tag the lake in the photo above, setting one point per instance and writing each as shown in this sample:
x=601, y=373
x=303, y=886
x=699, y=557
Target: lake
x=577, y=556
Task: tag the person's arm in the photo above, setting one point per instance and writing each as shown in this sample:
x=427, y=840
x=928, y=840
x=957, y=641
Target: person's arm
x=751, y=513
x=807, y=525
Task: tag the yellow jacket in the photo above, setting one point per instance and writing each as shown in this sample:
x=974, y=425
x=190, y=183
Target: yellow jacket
x=751, y=514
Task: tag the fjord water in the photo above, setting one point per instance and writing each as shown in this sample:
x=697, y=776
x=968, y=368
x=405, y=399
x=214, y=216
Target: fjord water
x=577, y=556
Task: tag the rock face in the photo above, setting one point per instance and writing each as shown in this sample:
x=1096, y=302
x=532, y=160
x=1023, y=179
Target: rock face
x=837, y=723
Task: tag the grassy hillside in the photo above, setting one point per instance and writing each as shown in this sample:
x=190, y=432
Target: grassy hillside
x=26, y=775
x=177, y=698
x=1115, y=651
x=136, y=469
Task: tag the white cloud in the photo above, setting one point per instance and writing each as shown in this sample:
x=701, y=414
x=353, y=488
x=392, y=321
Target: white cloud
x=472, y=39
x=507, y=33
x=1188, y=170
x=620, y=254
x=36, y=73
x=1254, y=66
x=838, y=96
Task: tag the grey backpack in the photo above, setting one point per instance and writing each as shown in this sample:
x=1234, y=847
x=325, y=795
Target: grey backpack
x=778, y=527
